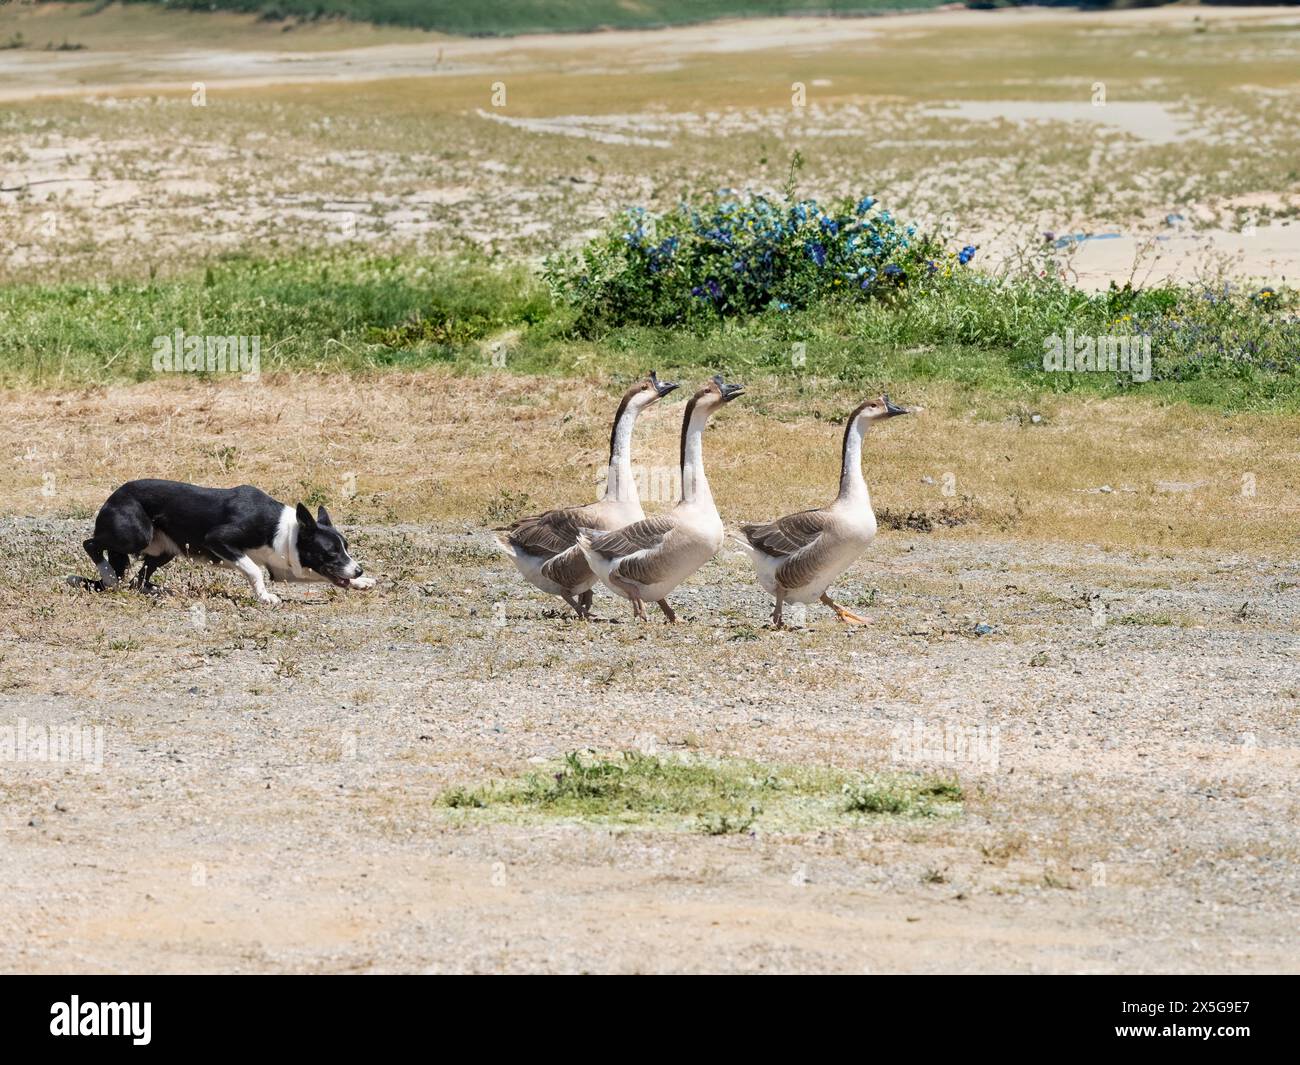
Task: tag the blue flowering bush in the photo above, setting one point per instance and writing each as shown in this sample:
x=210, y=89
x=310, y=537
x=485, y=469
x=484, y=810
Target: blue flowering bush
x=736, y=256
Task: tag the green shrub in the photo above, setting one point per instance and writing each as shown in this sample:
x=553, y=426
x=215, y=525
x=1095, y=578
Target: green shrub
x=733, y=256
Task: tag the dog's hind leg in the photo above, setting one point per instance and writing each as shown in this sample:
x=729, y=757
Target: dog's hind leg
x=119, y=561
x=151, y=563
x=122, y=529
x=111, y=568
x=95, y=550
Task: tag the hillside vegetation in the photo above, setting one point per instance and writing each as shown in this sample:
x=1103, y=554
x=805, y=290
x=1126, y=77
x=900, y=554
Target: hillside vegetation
x=540, y=16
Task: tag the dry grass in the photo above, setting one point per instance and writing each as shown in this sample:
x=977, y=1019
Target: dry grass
x=435, y=447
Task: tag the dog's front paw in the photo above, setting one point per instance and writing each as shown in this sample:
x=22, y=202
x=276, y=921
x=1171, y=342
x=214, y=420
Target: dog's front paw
x=362, y=583
x=268, y=599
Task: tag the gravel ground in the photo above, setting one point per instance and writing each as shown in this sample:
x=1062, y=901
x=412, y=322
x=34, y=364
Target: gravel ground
x=266, y=800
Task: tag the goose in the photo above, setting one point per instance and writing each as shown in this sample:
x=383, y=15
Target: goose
x=648, y=559
x=543, y=546
x=797, y=557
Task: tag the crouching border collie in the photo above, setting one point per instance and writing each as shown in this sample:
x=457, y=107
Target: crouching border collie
x=242, y=527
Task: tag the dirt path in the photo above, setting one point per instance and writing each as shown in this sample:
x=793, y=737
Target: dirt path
x=266, y=798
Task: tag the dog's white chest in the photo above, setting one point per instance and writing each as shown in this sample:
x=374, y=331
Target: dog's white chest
x=274, y=562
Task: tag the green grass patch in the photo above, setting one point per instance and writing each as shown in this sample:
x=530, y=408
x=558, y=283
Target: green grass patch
x=326, y=313
x=716, y=797
x=904, y=796
x=347, y=312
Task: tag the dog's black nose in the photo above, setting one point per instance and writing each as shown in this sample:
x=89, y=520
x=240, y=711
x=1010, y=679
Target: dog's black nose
x=359, y=569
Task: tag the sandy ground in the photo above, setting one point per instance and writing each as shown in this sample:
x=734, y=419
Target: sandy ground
x=266, y=800
x=1262, y=253
x=25, y=74
x=181, y=136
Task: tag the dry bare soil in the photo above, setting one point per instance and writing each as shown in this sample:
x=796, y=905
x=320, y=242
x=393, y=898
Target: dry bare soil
x=1169, y=132
x=269, y=795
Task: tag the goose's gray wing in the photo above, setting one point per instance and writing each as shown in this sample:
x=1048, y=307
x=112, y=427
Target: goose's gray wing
x=550, y=534
x=807, y=564
x=640, y=548
x=569, y=569
x=787, y=535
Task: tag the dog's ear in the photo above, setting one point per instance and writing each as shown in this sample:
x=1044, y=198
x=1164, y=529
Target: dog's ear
x=304, y=517
x=323, y=517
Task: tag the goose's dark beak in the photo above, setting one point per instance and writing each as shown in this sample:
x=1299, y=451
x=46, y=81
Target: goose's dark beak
x=892, y=409
x=729, y=392
x=662, y=387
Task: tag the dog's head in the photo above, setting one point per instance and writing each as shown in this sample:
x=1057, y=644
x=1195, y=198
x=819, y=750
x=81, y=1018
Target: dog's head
x=321, y=548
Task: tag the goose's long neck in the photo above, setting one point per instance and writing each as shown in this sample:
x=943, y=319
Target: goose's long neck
x=695, y=487
x=853, y=487
x=621, y=484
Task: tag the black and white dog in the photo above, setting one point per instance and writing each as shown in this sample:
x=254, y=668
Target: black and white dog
x=241, y=527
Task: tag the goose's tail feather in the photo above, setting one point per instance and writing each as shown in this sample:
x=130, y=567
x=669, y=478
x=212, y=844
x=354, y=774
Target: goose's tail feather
x=599, y=564
x=742, y=541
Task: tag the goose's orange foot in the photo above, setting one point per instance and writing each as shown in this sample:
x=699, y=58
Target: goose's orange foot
x=842, y=614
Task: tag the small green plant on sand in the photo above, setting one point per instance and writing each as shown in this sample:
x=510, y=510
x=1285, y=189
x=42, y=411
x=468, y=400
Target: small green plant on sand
x=714, y=796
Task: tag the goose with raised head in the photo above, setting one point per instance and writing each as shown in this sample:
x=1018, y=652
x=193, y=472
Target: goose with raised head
x=646, y=560
x=544, y=547
x=798, y=556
